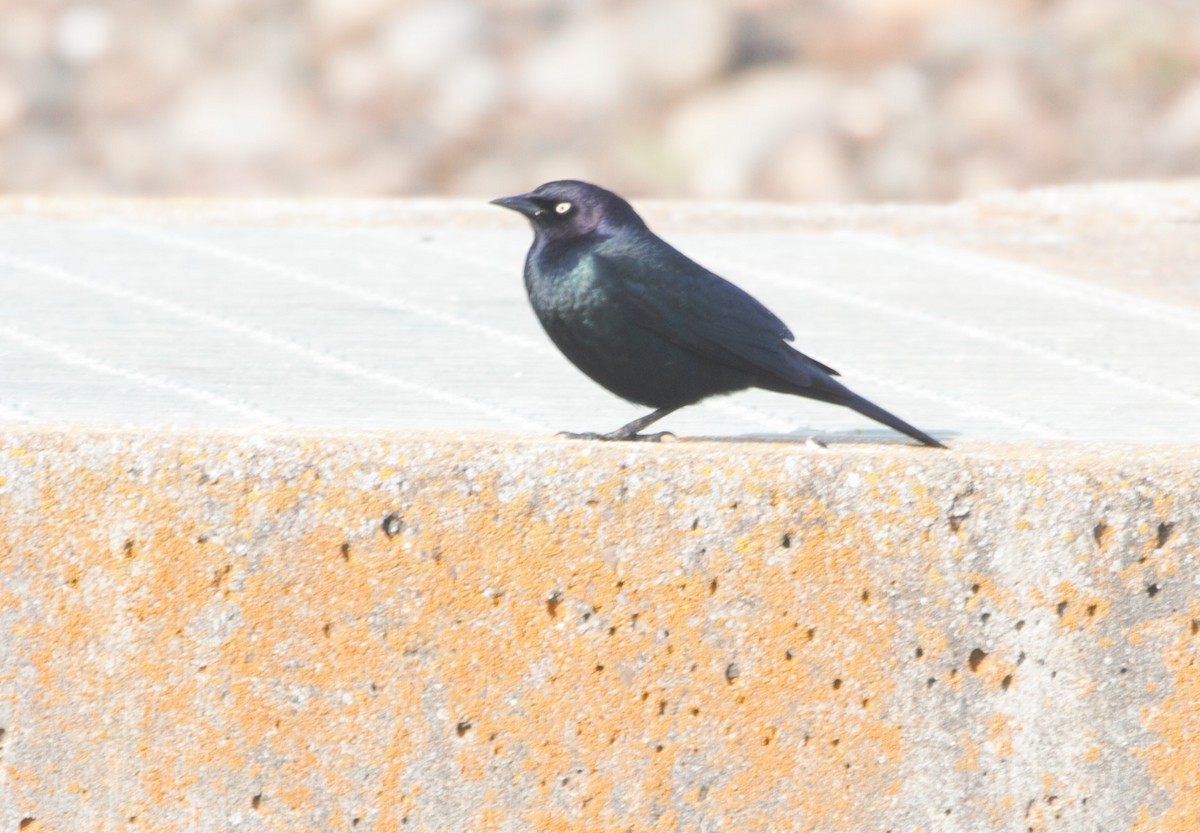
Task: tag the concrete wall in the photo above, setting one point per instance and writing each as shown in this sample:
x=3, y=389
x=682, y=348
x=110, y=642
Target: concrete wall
x=383, y=632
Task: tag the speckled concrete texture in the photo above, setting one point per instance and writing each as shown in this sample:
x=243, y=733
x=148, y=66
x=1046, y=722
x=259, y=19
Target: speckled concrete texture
x=377, y=632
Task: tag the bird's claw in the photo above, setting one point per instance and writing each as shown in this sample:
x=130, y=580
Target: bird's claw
x=661, y=436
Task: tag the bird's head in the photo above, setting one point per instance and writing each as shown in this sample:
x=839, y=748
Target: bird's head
x=568, y=209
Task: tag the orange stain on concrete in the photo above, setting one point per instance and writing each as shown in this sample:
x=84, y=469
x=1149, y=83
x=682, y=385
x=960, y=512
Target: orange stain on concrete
x=1174, y=758
x=313, y=632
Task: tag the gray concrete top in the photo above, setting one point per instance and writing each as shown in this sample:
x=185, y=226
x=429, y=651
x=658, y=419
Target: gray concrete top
x=1005, y=319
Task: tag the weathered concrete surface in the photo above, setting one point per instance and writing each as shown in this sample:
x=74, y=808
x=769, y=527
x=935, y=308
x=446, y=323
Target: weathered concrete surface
x=379, y=632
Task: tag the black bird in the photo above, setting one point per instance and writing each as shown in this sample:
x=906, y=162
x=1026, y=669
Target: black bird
x=649, y=323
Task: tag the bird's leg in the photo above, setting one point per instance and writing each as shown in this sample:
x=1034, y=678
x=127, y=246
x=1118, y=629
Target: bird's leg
x=630, y=431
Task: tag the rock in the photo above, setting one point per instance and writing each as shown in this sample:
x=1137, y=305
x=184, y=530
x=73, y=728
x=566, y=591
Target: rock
x=726, y=137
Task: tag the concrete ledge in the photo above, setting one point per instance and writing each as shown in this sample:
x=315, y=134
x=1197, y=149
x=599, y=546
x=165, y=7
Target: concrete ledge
x=381, y=632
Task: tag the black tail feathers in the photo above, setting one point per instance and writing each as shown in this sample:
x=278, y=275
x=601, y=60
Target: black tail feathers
x=870, y=409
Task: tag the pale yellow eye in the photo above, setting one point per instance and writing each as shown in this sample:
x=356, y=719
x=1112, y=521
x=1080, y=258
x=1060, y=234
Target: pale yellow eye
x=562, y=208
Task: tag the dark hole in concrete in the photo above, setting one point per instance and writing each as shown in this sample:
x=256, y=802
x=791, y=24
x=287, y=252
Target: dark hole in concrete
x=812, y=632
x=662, y=707
x=1152, y=590
x=354, y=821
x=25, y=822
x=920, y=652
x=976, y=659
x=327, y=628
x=256, y=801
x=732, y=672
x=929, y=682
x=462, y=727
x=1061, y=608
x=128, y=547
x=695, y=523
x=866, y=701
x=599, y=668
x=1006, y=682
x=552, y=603
x=1099, y=531
x=788, y=655
x=712, y=586
x=345, y=550
x=703, y=793
x=658, y=747
x=393, y=524
x=866, y=595
x=974, y=589
x=837, y=683
x=835, y=741
x=612, y=630
x=1020, y=623
x=1195, y=626
x=787, y=540
x=983, y=617
x=219, y=575
x=1164, y=532
x=695, y=712
x=1091, y=610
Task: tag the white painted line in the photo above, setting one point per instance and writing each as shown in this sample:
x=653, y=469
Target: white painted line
x=262, y=336
x=302, y=276
x=1031, y=277
x=974, y=331
x=69, y=356
x=390, y=302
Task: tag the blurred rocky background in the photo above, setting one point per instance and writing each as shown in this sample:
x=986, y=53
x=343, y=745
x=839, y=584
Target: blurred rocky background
x=774, y=99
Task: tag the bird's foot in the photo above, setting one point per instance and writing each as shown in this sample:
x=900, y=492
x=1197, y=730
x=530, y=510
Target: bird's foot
x=618, y=436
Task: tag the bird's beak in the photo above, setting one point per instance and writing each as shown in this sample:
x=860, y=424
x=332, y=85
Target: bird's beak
x=521, y=204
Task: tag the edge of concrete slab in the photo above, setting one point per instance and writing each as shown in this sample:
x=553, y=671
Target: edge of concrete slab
x=373, y=630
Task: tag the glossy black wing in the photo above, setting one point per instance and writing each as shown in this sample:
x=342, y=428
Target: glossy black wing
x=671, y=295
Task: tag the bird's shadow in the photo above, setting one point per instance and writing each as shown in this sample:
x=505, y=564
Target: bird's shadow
x=823, y=439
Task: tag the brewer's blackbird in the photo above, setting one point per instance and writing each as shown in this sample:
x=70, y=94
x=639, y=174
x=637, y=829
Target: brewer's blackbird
x=649, y=323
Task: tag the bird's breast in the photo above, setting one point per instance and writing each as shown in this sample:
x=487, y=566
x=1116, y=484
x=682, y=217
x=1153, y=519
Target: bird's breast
x=570, y=295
